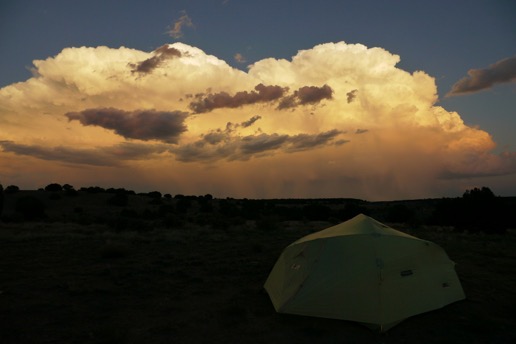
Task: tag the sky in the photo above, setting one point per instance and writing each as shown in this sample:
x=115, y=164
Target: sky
x=376, y=100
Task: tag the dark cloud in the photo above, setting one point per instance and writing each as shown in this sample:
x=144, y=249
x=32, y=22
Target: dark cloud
x=303, y=142
x=257, y=144
x=161, y=54
x=144, y=125
x=215, y=137
x=223, y=144
x=250, y=121
x=262, y=93
x=479, y=79
x=206, y=103
x=99, y=156
x=361, y=131
x=306, y=95
x=313, y=94
x=351, y=95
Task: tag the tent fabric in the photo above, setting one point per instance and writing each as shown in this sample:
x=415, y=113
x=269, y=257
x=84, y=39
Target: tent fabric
x=362, y=270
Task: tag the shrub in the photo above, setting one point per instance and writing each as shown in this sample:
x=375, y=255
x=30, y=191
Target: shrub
x=267, y=223
x=30, y=207
x=351, y=210
x=399, y=213
x=316, y=212
x=118, y=199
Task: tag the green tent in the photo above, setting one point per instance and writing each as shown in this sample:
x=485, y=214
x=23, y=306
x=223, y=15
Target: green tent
x=362, y=270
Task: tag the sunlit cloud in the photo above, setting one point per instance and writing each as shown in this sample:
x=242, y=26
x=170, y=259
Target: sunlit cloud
x=239, y=58
x=336, y=120
x=503, y=71
x=176, y=30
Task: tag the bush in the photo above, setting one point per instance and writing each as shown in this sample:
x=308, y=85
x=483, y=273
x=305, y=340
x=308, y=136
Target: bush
x=399, y=213
x=31, y=208
x=316, y=212
x=351, y=210
x=118, y=199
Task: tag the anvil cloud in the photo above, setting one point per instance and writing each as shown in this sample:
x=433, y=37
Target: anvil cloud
x=337, y=120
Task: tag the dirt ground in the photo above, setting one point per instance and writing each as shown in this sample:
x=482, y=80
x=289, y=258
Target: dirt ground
x=68, y=283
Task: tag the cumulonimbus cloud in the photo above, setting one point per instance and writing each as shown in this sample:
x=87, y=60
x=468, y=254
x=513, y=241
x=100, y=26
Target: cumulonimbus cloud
x=502, y=71
x=143, y=125
x=282, y=128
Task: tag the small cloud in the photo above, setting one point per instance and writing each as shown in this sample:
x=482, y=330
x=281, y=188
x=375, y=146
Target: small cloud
x=98, y=156
x=176, y=31
x=239, y=58
x=261, y=93
x=361, y=131
x=351, y=95
x=302, y=142
x=143, y=125
x=161, y=54
x=250, y=121
x=500, y=72
x=306, y=95
x=227, y=145
x=313, y=94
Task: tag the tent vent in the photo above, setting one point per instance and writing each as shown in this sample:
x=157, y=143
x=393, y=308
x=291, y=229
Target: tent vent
x=446, y=285
x=406, y=273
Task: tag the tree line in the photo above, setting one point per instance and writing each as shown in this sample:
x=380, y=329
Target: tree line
x=478, y=210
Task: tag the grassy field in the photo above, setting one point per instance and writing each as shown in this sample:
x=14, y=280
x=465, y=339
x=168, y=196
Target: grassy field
x=64, y=282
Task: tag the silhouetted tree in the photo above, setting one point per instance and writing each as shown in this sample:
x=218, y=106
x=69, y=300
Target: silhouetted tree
x=477, y=210
x=11, y=189
x=154, y=194
x=1, y=199
x=54, y=187
x=92, y=189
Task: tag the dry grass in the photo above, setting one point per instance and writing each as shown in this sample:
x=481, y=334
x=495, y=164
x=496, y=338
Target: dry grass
x=67, y=283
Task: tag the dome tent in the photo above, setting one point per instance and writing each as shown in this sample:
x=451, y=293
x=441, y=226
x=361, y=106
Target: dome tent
x=364, y=271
